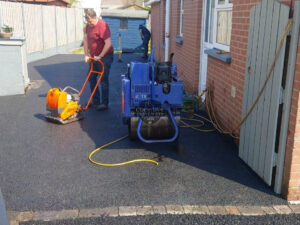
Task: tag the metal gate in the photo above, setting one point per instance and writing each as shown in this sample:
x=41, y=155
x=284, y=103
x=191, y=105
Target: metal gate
x=268, y=21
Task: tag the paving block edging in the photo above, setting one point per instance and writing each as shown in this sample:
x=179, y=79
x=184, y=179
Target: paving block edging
x=17, y=217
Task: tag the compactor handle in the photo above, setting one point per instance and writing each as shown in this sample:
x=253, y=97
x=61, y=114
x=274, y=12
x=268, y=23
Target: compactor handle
x=69, y=87
x=91, y=60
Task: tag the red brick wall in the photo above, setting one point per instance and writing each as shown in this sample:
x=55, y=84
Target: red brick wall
x=222, y=76
x=186, y=55
x=291, y=176
x=291, y=179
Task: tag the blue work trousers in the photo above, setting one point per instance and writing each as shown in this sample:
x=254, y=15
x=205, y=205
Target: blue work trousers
x=107, y=61
x=145, y=45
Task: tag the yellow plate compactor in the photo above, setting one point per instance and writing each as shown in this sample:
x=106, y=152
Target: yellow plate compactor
x=64, y=107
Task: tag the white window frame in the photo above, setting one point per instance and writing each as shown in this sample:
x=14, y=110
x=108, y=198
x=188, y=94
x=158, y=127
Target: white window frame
x=227, y=6
x=181, y=18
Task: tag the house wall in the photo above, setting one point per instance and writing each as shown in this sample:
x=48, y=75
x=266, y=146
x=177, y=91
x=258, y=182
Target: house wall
x=291, y=179
x=158, y=29
x=222, y=76
x=186, y=55
x=130, y=38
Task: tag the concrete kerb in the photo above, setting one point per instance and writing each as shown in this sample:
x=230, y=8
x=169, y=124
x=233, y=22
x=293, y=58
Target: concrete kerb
x=16, y=217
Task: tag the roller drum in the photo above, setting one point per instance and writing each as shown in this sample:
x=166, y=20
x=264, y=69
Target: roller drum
x=153, y=127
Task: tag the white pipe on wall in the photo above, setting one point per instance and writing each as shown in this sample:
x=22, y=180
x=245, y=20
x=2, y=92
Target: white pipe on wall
x=167, y=30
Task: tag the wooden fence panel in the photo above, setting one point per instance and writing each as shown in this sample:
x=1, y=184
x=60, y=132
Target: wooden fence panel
x=49, y=27
x=34, y=28
x=79, y=24
x=71, y=33
x=61, y=26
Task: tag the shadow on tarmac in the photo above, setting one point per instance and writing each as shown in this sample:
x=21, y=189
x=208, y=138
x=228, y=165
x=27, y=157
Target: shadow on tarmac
x=211, y=152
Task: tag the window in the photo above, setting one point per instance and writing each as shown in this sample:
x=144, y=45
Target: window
x=181, y=18
x=123, y=24
x=209, y=21
x=222, y=21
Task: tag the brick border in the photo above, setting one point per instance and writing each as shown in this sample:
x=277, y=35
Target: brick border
x=16, y=217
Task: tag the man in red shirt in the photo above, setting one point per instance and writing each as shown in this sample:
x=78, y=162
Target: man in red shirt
x=97, y=44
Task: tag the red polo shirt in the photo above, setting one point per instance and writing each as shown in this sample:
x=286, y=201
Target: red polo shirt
x=96, y=36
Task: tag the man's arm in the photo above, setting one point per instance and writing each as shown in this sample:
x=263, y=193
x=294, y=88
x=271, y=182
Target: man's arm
x=85, y=48
x=107, y=46
x=85, y=45
x=141, y=33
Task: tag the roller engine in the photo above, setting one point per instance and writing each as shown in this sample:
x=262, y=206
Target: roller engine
x=152, y=98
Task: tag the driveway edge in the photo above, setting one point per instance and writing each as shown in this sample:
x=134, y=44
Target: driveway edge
x=239, y=210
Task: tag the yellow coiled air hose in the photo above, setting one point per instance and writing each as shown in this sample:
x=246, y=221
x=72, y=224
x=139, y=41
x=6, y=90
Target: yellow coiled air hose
x=117, y=164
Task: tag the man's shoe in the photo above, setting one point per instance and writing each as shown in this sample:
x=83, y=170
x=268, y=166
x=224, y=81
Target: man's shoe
x=100, y=107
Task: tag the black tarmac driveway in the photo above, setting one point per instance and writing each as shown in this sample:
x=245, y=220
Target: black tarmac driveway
x=45, y=166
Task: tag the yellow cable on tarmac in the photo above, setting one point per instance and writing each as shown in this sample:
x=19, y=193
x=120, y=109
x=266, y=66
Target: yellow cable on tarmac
x=117, y=164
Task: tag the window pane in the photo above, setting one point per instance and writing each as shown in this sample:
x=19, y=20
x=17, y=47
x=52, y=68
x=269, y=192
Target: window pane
x=212, y=10
x=207, y=20
x=229, y=27
x=224, y=27
x=123, y=24
x=221, y=2
x=181, y=18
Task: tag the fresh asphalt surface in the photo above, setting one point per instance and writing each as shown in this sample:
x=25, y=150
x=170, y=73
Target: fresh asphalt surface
x=44, y=166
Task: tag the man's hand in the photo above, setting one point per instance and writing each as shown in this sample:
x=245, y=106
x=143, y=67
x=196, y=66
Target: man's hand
x=96, y=58
x=86, y=59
